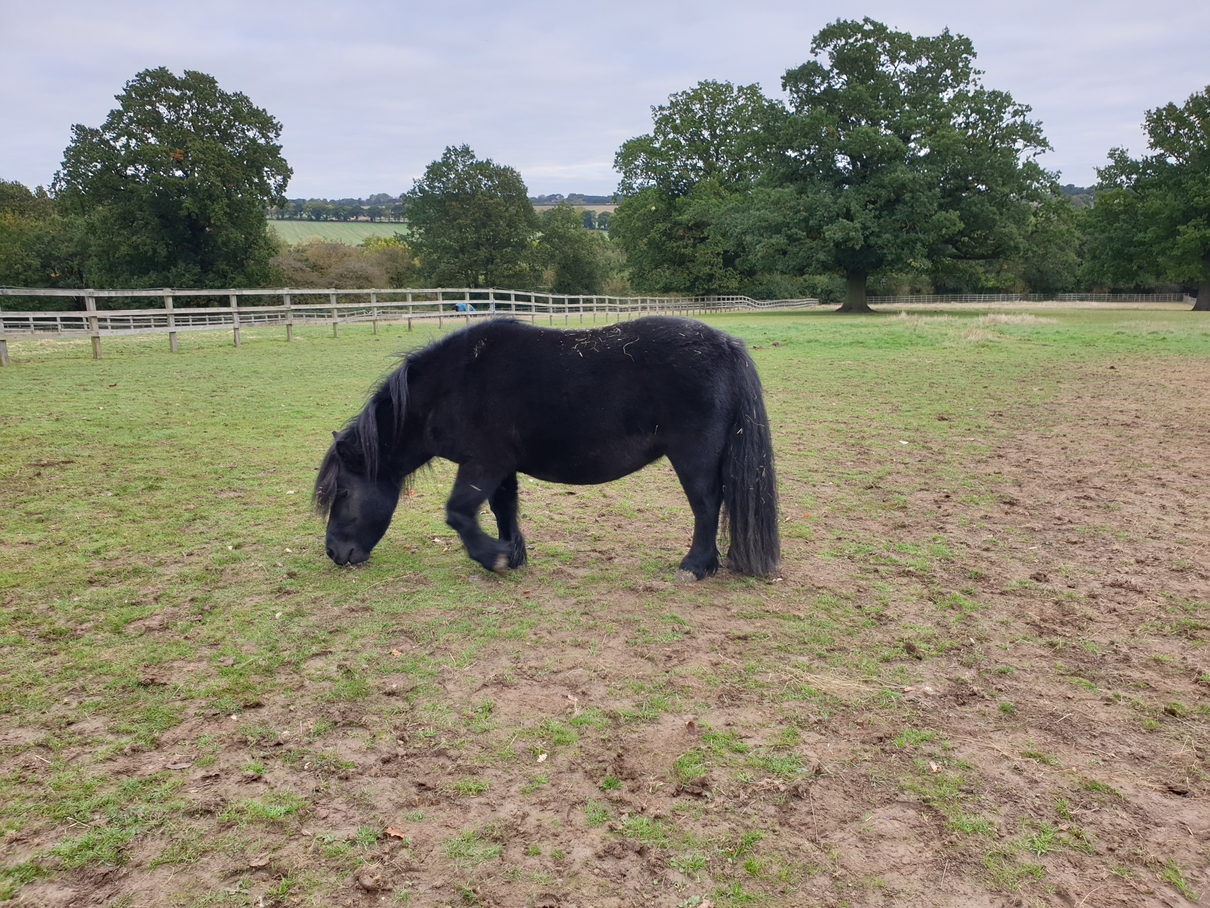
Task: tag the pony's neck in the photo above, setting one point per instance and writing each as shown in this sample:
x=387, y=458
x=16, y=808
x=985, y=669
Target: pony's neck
x=399, y=452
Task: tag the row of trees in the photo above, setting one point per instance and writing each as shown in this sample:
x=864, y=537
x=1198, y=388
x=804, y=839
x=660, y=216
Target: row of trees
x=889, y=165
x=378, y=207
x=1152, y=214
x=171, y=191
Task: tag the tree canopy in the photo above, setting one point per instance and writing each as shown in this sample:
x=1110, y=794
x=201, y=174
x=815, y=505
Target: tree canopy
x=571, y=252
x=471, y=223
x=38, y=247
x=889, y=155
x=1152, y=214
x=173, y=186
x=895, y=157
x=706, y=147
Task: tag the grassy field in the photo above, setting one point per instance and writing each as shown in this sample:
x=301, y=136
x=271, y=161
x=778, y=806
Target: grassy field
x=981, y=677
x=351, y=234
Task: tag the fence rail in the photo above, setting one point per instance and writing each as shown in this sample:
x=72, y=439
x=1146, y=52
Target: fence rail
x=281, y=308
x=359, y=306
x=1029, y=298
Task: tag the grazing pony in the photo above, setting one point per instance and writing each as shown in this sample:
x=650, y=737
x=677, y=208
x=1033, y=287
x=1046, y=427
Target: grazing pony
x=576, y=406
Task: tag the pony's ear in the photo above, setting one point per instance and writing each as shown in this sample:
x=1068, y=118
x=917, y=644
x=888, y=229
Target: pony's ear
x=348, y=454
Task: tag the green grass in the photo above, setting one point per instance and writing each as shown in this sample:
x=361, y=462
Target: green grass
x=351, y=234
x=1171, y=873
x=595, y=813
x=469, y=848
x=472, y=786
x=165, y=601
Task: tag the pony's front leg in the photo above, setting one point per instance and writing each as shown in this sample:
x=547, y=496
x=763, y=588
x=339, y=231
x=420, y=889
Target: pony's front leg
x=471, y=488
x=504, y=505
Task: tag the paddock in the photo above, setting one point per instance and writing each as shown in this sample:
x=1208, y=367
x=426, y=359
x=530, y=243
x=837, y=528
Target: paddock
x=980, y=674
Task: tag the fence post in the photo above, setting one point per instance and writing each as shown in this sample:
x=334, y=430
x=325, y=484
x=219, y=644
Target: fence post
x=171, y=323
x=94, y=328
x=289, y=317
x=374, y=311
x=409, y=311
x=332, y=300
x=234, y=317
x=440, y=315
x=3, y=343
x=467, y=311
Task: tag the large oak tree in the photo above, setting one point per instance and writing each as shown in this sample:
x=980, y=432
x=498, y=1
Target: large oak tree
x=888, y=156
x=174, y=185
x=894, y=156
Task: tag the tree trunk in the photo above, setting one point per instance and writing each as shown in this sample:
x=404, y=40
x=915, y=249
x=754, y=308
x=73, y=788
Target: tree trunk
x=1203, y=296
x=855, y=301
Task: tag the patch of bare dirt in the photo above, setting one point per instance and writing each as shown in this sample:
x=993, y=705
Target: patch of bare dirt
x=1042, y=633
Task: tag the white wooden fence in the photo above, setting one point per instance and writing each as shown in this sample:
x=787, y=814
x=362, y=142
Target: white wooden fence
x=284, y=308
x=925, y=298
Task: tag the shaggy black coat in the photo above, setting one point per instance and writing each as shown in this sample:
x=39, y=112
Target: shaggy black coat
x=578, y=406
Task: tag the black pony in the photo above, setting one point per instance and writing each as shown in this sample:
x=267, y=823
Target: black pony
x=573, y=406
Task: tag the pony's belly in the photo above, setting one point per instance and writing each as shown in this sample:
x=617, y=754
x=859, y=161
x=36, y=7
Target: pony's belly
x=585, y=468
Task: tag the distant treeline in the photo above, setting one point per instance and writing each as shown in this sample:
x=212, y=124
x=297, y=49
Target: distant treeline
x=575, y=199
x=381, y=206
x=384, y=207
x=932, y=183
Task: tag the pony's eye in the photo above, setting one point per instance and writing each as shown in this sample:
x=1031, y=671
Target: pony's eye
x=341, y=494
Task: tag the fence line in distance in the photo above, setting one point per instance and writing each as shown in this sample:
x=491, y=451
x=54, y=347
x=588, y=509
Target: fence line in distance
x=374, y=306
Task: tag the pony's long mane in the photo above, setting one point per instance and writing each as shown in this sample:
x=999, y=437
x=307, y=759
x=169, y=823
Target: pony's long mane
x=363, y=435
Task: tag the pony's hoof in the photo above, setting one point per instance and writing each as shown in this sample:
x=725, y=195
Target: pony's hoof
x=501, y=564
x=517, y=557
x=684, y=576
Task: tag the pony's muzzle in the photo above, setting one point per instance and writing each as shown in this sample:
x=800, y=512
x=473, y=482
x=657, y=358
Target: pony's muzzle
x=350, y=555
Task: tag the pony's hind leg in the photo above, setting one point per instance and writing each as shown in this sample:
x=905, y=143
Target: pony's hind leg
x=471, y=488
x=503, y=502
x=705, y=495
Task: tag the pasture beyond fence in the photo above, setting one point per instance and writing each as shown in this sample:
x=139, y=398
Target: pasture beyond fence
x=397, y=306
x=359, y=306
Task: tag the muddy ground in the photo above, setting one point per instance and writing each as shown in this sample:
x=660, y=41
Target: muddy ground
x=943, y=699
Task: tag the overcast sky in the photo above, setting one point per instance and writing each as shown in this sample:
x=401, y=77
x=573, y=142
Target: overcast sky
x=370, y=92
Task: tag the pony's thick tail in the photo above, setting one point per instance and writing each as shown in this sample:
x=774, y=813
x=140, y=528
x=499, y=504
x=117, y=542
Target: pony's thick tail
x=749, y=481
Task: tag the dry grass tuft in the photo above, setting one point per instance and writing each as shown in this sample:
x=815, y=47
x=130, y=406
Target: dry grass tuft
x=1020, y=318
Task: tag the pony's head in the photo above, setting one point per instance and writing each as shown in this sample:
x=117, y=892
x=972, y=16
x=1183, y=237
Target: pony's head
x=356, y=496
